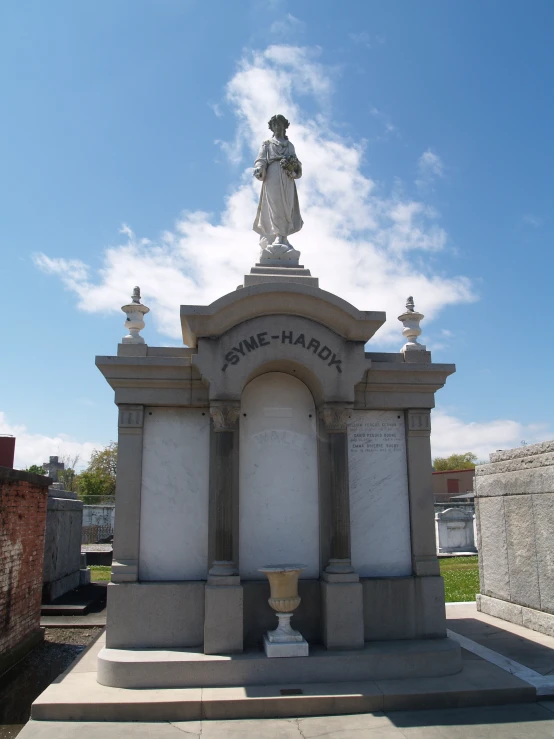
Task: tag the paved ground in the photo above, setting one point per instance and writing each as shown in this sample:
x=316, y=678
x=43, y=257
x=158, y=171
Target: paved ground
x=529, y=648
x=531, y=721
x=525, y=721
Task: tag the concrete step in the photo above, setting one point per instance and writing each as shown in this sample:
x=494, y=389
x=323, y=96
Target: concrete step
x=180, y=668
x=79, y=697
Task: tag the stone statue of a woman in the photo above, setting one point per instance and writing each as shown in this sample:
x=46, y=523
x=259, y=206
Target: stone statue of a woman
x=278, y=213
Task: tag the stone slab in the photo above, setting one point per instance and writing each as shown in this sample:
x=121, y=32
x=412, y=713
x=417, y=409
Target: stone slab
x=78, y=697
x=54, y=589
x=171, y=615
x=379, y=503
x=499, y=608
x=520, y=482
x=543, y=508
x=257, y=279
x=492, y=722
x=527, y=617
x=343, y=616
x=296, y=649
x=522, y=555
x=182, y=669
x=223, y=622
x=513, y=465
x=493, y=555
x=174, y=494
x=278, y=473
x=522, y=451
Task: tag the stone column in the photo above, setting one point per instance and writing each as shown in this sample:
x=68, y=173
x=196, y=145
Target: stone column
x=343, y=623
x=422, y=512
x=128, y=487
x=223, y=622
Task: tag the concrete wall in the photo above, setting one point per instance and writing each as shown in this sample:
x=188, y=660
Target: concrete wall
x=515, y=529
x=99, y=515
x=62, y=544
x=22, y=521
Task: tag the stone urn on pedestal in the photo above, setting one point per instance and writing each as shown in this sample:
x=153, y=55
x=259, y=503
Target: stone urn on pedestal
x=284, y=641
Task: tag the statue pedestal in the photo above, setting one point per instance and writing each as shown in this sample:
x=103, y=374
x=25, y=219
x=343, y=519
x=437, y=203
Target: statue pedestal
x=279, y=255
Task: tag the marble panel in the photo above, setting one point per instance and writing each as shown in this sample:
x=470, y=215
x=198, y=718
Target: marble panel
x=278, y=479
x=379, y=503
x=174, y=494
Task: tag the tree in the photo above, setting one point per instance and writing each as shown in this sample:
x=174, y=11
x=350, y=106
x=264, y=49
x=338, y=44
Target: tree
x=92, y=487
x=98, y=480
x=464, y=461
x=68, y=476
x=36, y=469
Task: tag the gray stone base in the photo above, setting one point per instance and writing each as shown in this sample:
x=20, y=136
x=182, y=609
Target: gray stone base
x=404, y=608
x=343, y=615
x=223, y=623
x=516, y=614
x=155, y=615
x=77, y=696
x=53, y=590
x=290, y=649
x=279, y=273
x=192, y=669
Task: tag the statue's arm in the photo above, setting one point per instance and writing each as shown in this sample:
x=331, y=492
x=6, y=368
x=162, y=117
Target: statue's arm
x=260, y=165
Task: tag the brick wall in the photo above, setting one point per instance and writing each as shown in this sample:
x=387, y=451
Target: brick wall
x=23, y=499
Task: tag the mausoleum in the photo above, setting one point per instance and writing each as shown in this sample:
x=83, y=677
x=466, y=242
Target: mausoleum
x=274, y=441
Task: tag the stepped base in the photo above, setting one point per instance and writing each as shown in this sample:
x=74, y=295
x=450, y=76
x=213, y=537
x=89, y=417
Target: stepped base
x=263, y=272
x=176, y=668
x=77, y=696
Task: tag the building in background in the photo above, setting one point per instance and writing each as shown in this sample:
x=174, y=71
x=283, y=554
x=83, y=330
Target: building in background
x=451, y=484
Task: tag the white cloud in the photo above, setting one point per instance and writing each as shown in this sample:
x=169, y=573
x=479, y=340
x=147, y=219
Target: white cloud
x=430, y=168
x=36, y=448
x=532, y=220
x=451, y=435
x=364, y=243
x=362, y=37
x=289, y=25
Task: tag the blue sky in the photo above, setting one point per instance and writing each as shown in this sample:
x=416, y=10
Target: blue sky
x=127, y=134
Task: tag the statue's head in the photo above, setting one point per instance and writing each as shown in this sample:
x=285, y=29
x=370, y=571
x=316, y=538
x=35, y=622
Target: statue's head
x=279, y=119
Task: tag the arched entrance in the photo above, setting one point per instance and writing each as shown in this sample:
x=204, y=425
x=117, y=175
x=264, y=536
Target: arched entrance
x=278, y=478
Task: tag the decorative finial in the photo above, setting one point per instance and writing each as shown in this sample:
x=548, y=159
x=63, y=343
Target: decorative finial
x=134, y=323
x=411, y=320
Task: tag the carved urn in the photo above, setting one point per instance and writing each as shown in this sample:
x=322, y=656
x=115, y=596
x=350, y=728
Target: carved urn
x=284, y=641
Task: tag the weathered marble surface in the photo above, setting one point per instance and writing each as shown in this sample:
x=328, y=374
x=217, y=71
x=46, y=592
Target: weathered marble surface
x=379, y=505
x=493, y=554
x=522, y=451
x=174, y=496
x=278, y=511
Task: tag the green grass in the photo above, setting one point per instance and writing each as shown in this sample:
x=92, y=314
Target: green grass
x=461, y=578
x=100, y=572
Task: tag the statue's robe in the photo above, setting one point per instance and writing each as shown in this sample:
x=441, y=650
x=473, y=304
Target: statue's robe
x=278, y=209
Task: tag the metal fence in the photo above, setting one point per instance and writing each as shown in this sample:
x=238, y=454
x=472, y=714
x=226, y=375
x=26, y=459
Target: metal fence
x=96, y=534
